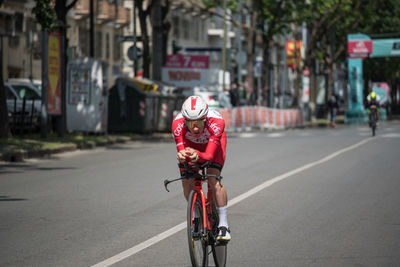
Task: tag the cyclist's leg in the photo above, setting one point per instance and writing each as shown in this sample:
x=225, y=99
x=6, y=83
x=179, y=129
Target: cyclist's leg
x=221, y=201
x=187, y=185
x=218, y=189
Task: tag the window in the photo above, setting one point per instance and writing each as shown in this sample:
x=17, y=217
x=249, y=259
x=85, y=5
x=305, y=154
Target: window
x=186, y=30
x=84, y=41
x=9, y=93
x=175, y=27
x=117, y=50
x=98, y=45
x=13, y=41
x=37, y=46
x=196, y=29
x=107, y=46
x=25, y=91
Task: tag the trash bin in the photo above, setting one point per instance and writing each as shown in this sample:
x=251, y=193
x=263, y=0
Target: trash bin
x=130, y=108
x=166, y=107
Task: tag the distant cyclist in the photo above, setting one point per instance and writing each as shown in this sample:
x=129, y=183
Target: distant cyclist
x=200, y=136
x=373, y=102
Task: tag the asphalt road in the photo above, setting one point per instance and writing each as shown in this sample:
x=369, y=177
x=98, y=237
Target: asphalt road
x=311, y=197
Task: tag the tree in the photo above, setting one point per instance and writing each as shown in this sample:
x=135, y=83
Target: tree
x=275, y=18
x=321, y=18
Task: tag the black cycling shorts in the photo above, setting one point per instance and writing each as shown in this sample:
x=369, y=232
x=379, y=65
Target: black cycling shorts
x=192, y=172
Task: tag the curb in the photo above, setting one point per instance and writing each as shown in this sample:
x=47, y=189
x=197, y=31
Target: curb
x=21, y=154
x=14, y=154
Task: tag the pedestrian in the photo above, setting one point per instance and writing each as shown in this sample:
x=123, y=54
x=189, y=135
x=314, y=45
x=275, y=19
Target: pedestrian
x=234, y=94
x=333, y=107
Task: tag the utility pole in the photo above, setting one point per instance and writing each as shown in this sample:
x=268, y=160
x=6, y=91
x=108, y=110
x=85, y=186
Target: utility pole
x=224, y=49
x=43, y=114
x=240, y=51
x=91, y=29
x=31, y=55
x=135, y=62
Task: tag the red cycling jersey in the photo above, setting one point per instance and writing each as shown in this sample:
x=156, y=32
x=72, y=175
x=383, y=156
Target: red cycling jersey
x=210, y=145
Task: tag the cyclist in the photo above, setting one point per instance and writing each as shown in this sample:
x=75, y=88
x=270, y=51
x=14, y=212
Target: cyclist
x=373, y=102
x=200, y=136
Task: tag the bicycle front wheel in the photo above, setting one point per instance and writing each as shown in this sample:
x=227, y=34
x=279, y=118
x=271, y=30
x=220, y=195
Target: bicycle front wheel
x=197, y=241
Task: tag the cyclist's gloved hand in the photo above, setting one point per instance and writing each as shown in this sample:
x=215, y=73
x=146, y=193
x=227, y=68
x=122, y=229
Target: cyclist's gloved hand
x=182, y=155
x=192, y=154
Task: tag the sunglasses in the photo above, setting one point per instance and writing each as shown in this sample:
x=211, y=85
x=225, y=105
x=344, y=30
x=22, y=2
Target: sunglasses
x=198, y=123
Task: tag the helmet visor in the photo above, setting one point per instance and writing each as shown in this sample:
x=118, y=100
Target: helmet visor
x=195, y=123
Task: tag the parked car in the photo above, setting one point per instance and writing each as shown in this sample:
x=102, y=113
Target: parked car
x=23, y=105
x=35, y=85
x=209, y=94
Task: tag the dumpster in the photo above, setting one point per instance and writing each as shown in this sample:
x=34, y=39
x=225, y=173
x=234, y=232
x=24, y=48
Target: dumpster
x=131, y=109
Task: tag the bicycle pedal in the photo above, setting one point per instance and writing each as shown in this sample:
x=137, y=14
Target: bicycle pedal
x=196, y=236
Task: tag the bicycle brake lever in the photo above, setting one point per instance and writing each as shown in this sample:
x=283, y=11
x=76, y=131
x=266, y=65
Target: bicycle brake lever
x=166, y=182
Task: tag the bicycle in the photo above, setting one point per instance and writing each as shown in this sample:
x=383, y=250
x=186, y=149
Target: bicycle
x=373, y=120
x=202, y=218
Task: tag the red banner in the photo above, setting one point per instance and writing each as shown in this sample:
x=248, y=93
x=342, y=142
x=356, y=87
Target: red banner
x=359, y=48
x=54, y=74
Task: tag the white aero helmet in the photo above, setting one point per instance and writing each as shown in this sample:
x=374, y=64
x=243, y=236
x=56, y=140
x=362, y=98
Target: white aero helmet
x=194, y=108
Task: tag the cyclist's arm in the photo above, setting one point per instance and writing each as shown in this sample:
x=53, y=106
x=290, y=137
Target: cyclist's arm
x=214, y=142
x=177, y=131
x=212, y=146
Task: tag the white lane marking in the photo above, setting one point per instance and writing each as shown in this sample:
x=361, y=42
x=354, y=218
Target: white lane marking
x=247, y=135
x=275, y=134
x=155, y=239
x=390, y=135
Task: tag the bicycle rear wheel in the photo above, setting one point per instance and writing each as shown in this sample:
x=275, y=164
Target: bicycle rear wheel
x=197, y=241
x=373, y=123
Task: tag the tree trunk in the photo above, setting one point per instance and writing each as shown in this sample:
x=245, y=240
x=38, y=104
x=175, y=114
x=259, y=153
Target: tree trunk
x=265, y=77
x=313, y=93
x=252, y=37
x=4, y=125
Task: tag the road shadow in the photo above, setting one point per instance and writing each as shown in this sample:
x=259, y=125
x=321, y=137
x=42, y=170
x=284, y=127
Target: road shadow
x=24, y=166
x=7, y=198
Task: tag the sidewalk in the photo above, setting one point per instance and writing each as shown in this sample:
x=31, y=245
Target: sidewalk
x=43, y=149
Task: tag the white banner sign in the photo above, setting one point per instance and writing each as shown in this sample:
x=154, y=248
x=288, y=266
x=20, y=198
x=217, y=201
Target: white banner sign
x=186, y=70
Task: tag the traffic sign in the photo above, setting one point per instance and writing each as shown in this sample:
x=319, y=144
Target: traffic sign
x=241, y=58
x=134, y=53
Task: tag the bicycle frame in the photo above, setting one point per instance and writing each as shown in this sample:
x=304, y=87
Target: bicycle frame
x=206, y=203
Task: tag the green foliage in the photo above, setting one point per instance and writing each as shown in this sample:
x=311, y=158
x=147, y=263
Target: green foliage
x=45, y=14
x=230, y=4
